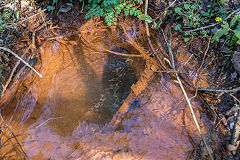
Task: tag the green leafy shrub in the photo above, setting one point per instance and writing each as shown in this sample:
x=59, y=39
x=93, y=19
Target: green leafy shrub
x=108, y=9
x=111, y=9
x=7, y=30
x=199, y=14
x=230, y=30
x=7, y=17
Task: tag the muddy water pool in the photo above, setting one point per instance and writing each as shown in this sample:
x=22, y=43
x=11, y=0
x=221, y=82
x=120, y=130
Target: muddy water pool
x=65, y=114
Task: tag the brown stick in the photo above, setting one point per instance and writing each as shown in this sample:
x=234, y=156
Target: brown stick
x=8, y=50
x=120, y=54
x=5, y=124
x=14, y=69
x=185, y=94
x=137, y=89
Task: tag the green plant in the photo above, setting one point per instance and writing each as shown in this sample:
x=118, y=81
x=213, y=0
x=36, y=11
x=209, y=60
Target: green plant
x=108, y=9
x=156, y=22
x=230, y=30
x=198, y=14
x=7, y=18
x=111, y=9
x=195, y=15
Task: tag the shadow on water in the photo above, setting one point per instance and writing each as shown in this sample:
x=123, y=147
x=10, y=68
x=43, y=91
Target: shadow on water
x=82, y=90
x=118, y=77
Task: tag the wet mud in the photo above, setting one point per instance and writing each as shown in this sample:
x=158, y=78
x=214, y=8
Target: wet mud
x=66, y=114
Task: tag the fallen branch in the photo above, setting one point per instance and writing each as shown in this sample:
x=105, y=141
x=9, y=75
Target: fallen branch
x=120, y=54
x=14, y=69
x=8, y=50
x=219, y=90
x=136, y=90
x=185, y=94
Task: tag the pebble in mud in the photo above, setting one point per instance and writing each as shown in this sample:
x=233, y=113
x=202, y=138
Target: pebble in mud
x=236, y=61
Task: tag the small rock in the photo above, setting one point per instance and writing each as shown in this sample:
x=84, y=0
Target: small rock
x=238, y=48
x=65, y=8
x=214, y=30
x=11, y=6
x=225, y=49
x=24, y=4
x=236, y=61
x=234, y=75
x=236, y=4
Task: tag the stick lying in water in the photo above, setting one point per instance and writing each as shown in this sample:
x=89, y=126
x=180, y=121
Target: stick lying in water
x=6, y=125
x=8, y=50
x=136, y=90
x=30, y=130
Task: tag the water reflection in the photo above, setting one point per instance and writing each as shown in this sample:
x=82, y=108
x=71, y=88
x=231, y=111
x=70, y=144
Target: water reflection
x=76, y=87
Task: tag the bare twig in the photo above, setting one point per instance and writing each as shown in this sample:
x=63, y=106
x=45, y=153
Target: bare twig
x=185, y=94
x=235, y=98
x=8, y=50
x=15, y=24
x=159, y=61
x=219, y=90
x=14, y=69
x=212, y=25
x=189, y=58
x=5, y=124
x=171, y=4
x=20, y=134
x=199, y=69
x=168, y=72
x=120, y=54
x=82, y=7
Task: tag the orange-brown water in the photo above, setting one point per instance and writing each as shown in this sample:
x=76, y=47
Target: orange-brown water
x=69, y=109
